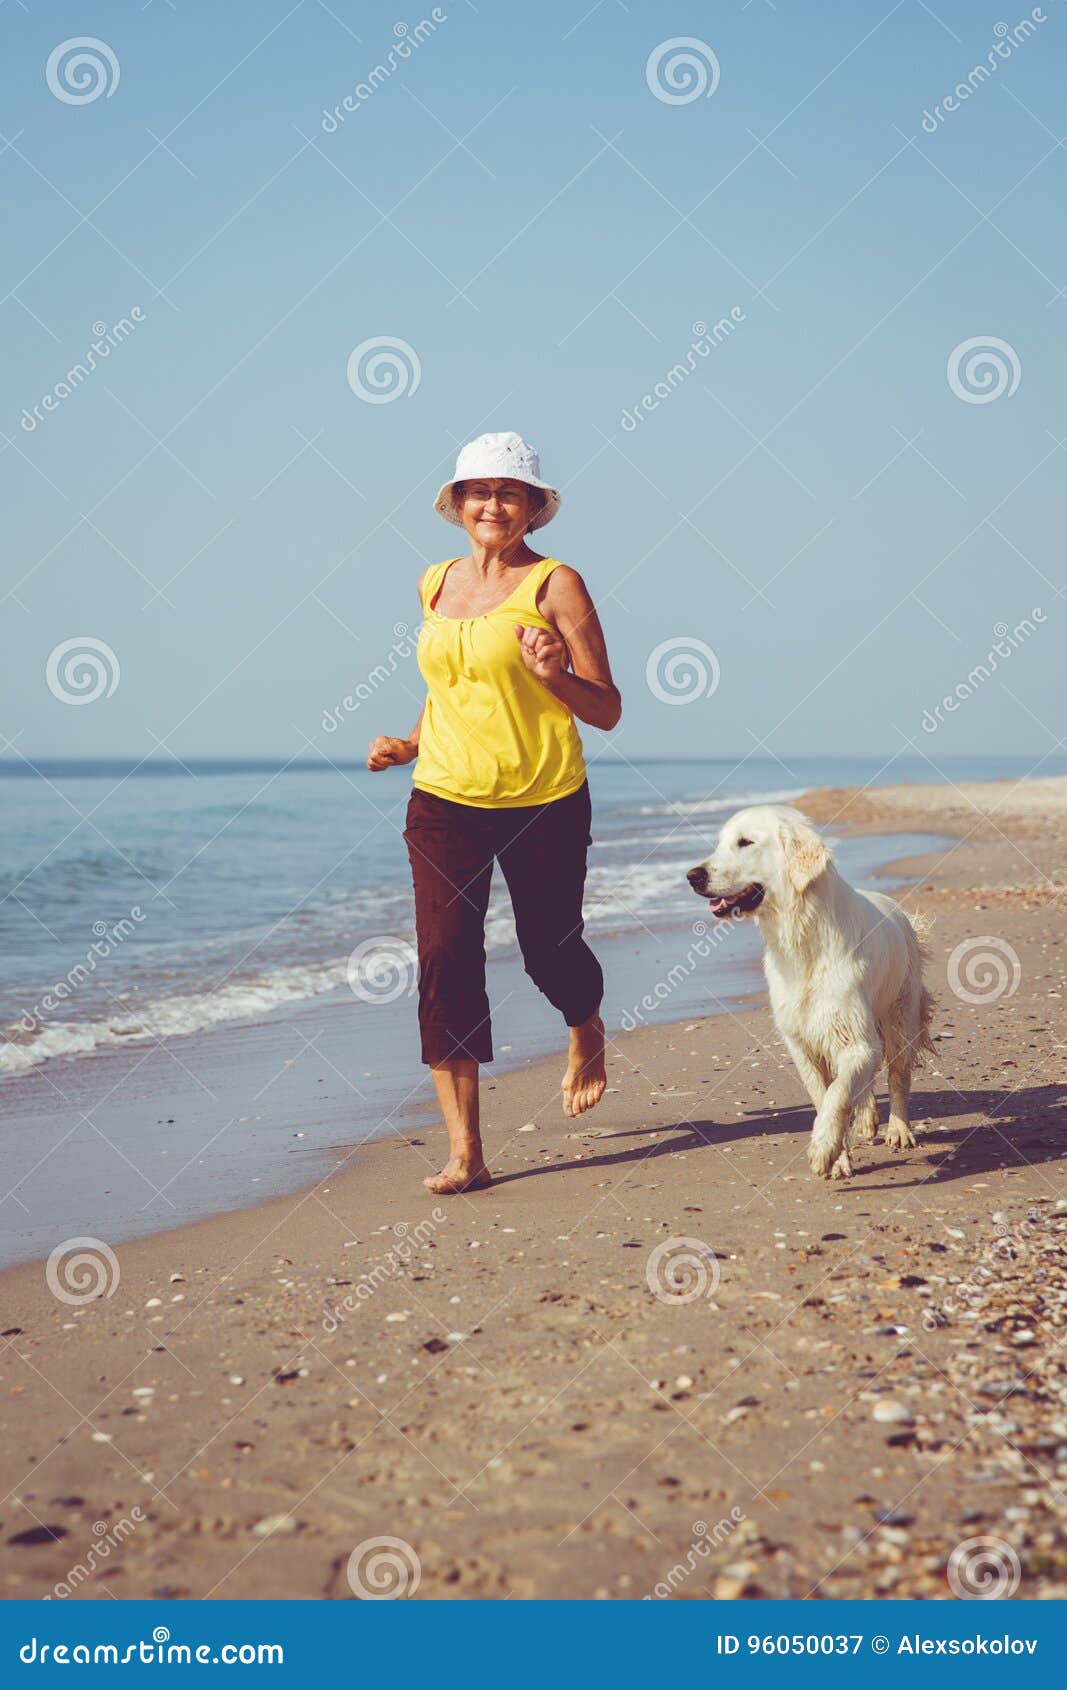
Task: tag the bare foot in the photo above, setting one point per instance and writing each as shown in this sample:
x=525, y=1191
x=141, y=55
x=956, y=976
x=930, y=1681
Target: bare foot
x=585, y=1079
x=458, y=1176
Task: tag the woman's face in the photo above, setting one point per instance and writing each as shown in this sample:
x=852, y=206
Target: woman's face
x=495, y=511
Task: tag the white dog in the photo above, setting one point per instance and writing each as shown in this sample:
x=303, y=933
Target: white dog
x=844, y=969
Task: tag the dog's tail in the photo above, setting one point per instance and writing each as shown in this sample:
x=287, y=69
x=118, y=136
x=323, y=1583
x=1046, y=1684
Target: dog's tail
x=927, y=1006
x=922, y=926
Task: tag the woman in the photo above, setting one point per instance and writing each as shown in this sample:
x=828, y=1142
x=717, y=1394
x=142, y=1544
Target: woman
x=511, y=650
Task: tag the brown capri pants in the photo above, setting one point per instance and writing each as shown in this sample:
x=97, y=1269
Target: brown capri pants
x=541, y=849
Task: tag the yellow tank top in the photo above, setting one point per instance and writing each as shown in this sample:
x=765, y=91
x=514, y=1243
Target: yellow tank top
x=491, y=735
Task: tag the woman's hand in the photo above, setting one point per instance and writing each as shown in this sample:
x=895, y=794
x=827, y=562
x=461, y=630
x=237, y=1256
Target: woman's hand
x=543, y=653
x=384, y=752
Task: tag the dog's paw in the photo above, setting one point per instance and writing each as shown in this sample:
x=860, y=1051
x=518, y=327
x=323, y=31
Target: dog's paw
x=821, y=1157
x=865, y=1126
x=898, y=1136
x=842, y=1168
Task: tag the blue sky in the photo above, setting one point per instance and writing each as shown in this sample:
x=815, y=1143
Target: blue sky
x=815, y=502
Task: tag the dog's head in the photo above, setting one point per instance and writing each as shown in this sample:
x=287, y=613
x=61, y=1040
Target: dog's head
x=766, y=854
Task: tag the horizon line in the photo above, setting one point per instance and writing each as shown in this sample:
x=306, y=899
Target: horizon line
x=25, y=765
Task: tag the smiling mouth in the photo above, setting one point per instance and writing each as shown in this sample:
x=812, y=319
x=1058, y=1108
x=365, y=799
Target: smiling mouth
x=743, y=902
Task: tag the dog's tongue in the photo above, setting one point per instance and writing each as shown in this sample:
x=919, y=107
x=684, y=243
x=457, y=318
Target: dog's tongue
x=719, y=906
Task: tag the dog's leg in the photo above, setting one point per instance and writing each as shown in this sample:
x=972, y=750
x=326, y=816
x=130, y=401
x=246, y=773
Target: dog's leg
x=812, y=1070
x=862, y=1128
x=856, y=1068
x=816, y=1076
x=865, y=1123
x=898, y=1134
x=842, y=1168
x=903, y=1039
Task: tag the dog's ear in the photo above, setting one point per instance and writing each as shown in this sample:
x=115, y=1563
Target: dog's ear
x=805, y=854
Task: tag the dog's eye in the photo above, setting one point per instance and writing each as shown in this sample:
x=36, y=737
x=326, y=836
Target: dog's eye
x=741, y=843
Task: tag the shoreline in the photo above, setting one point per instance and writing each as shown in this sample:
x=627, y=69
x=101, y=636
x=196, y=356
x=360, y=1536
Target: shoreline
x=144, y=1138
x=873, y=1378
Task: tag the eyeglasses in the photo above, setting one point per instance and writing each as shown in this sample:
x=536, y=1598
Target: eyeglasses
x=504, y=495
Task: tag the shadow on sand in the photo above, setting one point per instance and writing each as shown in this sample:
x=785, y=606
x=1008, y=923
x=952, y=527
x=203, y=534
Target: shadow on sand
x=1017, y=1129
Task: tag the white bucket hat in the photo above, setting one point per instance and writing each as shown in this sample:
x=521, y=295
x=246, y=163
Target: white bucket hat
x=505, y=456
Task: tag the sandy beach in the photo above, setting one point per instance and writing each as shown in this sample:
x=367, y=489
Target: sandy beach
x=865, y=1378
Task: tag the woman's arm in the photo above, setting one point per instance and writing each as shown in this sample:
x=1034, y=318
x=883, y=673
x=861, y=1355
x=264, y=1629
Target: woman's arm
x=587, y=689
x=386, y=751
